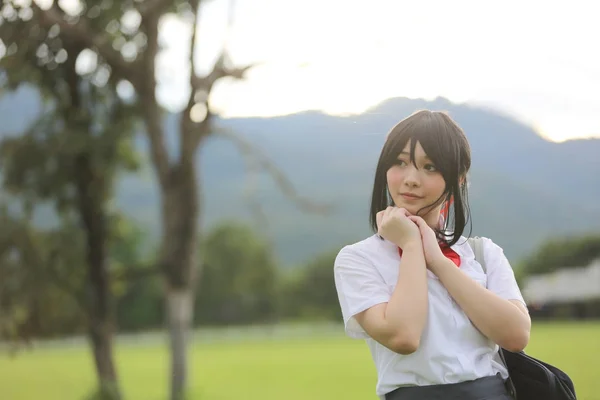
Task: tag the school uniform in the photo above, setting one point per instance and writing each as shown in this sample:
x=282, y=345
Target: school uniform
x=451, y=349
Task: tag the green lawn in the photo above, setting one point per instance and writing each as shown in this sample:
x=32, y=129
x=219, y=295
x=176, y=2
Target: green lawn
x=313, y=366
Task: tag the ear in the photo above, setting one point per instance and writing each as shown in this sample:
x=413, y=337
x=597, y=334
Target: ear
x=462, y=180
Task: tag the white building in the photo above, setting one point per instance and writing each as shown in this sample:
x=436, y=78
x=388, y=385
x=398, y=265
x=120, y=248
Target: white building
x=565, y=285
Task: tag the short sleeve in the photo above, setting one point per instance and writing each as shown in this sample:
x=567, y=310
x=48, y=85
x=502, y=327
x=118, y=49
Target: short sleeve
x=500, y=275
x=359, y=287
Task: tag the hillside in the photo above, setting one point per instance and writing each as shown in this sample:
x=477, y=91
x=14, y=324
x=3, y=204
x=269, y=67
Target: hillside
x=523, y=187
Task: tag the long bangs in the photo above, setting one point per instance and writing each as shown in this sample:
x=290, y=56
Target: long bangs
x=438, y=135
x=446, y=145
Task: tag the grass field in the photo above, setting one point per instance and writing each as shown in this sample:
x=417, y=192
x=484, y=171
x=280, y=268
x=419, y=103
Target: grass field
x=293, y=365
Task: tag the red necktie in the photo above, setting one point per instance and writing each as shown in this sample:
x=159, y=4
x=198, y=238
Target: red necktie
x=447, y=251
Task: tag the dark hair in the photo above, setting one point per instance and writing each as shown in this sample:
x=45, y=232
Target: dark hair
x=446, y=145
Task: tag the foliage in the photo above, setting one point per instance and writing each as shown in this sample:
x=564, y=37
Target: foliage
x=69, y=156
x=563, y=252
x=239, y=277
x=309, y=293
x=40, y=284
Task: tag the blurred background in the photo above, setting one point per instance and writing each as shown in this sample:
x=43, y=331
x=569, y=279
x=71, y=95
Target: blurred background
x=178, y=177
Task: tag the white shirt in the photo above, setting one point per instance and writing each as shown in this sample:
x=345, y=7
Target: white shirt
x=451, y=349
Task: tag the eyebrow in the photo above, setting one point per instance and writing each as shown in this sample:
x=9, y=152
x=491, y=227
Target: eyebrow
x=404, y=153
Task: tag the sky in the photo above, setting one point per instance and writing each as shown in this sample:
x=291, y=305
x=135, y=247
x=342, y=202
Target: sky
x=534, y=60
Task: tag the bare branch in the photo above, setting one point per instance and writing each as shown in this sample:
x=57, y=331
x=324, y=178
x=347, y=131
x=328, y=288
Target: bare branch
x=195, y=6
x=279, y=177
x=81, y=32
x=220, y=70
x=146, y=87
x=253, y=172
x=194, y=132
x=154, y=129
x=188, y=143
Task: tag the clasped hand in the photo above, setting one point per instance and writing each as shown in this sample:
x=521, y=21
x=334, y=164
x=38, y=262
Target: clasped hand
x=405, y=230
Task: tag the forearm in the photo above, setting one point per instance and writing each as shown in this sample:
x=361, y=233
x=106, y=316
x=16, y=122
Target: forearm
x=497, y=318
x=406, y=311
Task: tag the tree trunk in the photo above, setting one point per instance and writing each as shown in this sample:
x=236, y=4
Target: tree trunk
x=179, y=263
x=101, y=326
x=179, y=312
x=101, y=340
x=90, y=190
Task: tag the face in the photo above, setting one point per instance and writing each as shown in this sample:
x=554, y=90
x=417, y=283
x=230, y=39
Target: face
x=415, y=187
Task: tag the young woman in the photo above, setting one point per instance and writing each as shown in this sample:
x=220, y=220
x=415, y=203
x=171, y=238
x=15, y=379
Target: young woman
x=432, y=318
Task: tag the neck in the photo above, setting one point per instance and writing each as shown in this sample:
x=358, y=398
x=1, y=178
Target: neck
x=433, y=219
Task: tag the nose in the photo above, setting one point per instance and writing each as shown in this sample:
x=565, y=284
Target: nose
x=411, y=179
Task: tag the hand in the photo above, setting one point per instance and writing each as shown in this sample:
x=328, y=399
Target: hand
x=394, y=224
x=431, y=247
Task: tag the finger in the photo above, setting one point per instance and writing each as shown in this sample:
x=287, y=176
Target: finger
x=400, y=213
x=379, y=218
x=386, y=213
x=416, y=219
x=403, y=211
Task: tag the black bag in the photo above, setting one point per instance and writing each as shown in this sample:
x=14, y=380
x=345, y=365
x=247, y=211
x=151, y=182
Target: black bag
x=530, y=378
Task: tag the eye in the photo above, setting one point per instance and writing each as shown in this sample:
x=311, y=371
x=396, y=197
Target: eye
x=400, y=162
x=430, y=168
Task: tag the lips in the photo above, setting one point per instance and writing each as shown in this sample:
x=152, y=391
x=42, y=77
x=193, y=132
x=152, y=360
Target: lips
x=410, y=196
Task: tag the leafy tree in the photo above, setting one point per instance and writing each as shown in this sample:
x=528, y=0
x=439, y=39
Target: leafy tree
x=567, y=252
x=123, y=36
x=310, y=292
x=37, y=297
x=137, y=285
x=71, y=154
x=239, y=277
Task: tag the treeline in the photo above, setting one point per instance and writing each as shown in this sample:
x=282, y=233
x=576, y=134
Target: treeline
x=240, y=282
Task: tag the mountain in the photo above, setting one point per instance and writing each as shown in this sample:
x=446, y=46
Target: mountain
x=523, y=188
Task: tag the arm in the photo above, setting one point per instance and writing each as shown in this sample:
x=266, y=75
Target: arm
x=506, y=322
x=398, y=324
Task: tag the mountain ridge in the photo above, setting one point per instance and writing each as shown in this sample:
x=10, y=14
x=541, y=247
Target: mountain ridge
x=523, y=188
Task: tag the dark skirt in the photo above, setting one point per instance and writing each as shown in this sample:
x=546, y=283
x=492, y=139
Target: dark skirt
x=488, y=388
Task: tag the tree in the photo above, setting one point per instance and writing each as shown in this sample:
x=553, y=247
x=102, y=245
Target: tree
x=42, y=279
x=310, y=291
x=30, y=259
x=557, y=253
x=137, y=285
x=239, y=277
x=71, y=154
x=129, y=51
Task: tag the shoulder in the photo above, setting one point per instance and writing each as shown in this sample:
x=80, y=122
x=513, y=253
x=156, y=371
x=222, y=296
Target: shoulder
x=492, y=254
x=363, y=249
x=496, y=262
x=500, y=274
x=491, y=250
x=364, y=255
x=488, y=246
